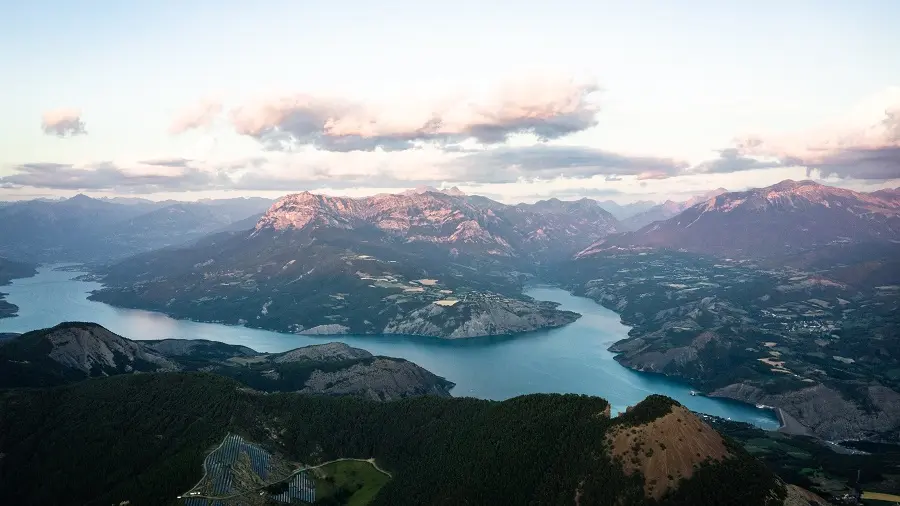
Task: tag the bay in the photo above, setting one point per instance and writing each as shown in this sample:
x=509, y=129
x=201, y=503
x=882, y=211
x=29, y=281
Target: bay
x=571, y=359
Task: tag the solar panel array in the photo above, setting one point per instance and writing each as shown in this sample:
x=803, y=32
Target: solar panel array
x=218, y=463
x=300, y=487
x=202, y=501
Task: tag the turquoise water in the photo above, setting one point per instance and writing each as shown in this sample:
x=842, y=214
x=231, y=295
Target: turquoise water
x=571, y=359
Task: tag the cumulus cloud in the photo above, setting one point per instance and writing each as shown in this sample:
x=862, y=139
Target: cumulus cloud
x=545, y=109
x=865, y=145
x=510, y=164
x=198, y=116
x=63, y=123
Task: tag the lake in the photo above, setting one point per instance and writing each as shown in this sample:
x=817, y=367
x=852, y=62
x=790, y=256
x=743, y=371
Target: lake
x=571, y=359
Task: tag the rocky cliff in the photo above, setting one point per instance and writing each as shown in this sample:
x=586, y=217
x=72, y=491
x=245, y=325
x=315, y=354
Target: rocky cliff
x=826, y=412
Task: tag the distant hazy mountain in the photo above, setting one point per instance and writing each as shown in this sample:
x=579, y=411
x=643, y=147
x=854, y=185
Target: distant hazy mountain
x=74, y=351
x=623, y=211
x=84, y=229
x=666, y=210
x=892, y=194
x=585, y=215
x=785, y=218
x=456, y=192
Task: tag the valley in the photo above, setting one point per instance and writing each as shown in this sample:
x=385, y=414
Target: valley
x=573, y=358
x=807, y=331
x=464, y=254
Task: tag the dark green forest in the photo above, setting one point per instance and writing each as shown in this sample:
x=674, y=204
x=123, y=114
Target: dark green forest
x=142, y=438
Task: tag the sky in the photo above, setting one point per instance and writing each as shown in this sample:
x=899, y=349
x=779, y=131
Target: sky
x=515, y=100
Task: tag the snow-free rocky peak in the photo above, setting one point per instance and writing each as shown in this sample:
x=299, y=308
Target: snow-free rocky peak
x=448, y=217
x=787, y=217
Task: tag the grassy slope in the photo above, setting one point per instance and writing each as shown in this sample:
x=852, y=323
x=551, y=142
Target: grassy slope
x=361, y=478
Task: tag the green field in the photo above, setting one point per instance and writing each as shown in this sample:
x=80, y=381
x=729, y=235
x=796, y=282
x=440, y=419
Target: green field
x=350, y=482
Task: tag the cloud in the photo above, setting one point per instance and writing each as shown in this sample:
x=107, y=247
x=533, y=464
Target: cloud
x=546, y=109
x=653, y=174
x=731, y=160
x=879, y=164
x=167, y=162
x=863, y=146
x=569, y=193
x=200, y=115
x=63, y=123
x=509, y=164
x=108, y=177
x=180, y=175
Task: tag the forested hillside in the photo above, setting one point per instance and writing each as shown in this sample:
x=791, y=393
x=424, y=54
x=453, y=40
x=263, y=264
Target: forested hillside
x=142, y=438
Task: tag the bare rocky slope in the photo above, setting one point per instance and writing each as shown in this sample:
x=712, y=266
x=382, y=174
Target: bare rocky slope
x=74, y=351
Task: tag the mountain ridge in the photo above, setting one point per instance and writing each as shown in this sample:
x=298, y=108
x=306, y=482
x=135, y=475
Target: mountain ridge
x=74, y=351
x=666, y=210
x=85, y=230
x=787, y=217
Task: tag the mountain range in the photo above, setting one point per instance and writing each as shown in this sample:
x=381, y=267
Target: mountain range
x=666, y=210
x=784, y=296
x=625, y=211
x=784, y=218
x=83, y=229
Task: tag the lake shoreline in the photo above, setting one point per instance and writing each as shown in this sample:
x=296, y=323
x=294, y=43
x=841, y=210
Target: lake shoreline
x=569, y=359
